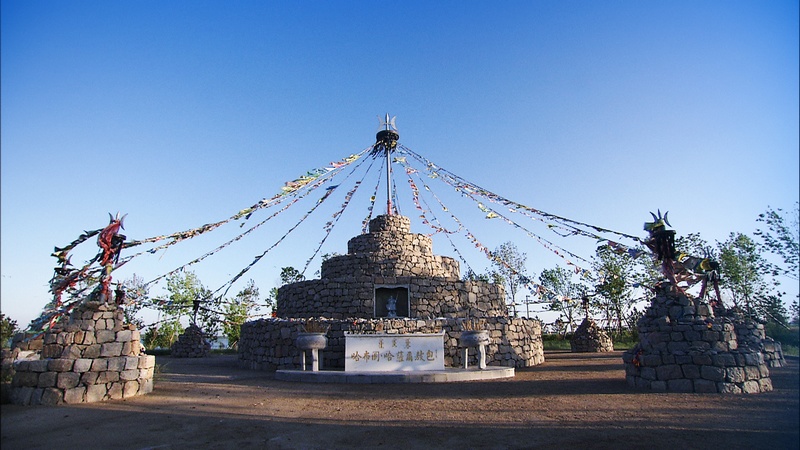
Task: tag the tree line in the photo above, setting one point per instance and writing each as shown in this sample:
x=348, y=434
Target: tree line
x=751, y=271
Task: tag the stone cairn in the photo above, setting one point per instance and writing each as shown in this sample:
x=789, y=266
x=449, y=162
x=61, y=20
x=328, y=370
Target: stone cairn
x=684, y=348
x=389, y=255
x=590, y=338
x=95, y=356
x=191, y=344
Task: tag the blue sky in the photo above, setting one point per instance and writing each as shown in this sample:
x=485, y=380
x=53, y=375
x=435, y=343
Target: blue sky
x=182, y=113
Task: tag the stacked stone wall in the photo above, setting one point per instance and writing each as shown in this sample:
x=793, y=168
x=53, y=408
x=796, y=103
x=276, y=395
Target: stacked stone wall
x=590, y=338
x=191, y=344
x=94, y=357
x=269, y=344
x=353, y=297
x=684, y=348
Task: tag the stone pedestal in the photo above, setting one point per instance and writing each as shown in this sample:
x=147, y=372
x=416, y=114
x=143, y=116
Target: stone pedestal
x=94, y=357
x=684, y=348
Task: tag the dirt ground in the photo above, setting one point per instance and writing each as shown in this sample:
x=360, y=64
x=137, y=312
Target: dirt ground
x=571, y=401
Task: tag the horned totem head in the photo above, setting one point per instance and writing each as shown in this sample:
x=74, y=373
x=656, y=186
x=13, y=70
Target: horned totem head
x=658, y=222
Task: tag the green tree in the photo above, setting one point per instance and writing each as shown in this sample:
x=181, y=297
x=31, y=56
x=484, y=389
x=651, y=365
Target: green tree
x=615, y=276
x=781, y=239
x=238, y=311
x=563, y=296
x=8, y=328
x=742, y=267
x=288, y=275
x=136, y=291
x=184, y=289
x=510, y=270
x=163, y=335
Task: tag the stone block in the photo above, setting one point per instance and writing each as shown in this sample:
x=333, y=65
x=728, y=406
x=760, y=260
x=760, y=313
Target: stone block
x=107, y=377
x=660, y=386
x=130, y=389
x=751, y=387
x=146, y=386
x=691, y=371
x=67, y=380
x=705, y=386
x=752, y=373
x=96, y=393
x=116, y=363
x=669, y=372
x=702, y=360
x=734, y=375
x=30, y=379
x=36, y=396
x=131, y=362
x=146, y=373
x=47, y=379
x=99, y=365
x=39, y=365
x=128, y=375
x=115, y=390
x=82, y=365
x=111, y=349
x=724, y=360
x=74, y=395
x=52, y=396
x=105, y=336
x=92, y=351
x=147, y=361
x=765, y=384
x=712, y=373
x=89, y=378
x=124, y=336
x=60, y=365
x=21, y=395
x=680, y=385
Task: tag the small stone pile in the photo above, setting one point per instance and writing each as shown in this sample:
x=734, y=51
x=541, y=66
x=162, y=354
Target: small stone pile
x=590, y=338
x=684, y=348
x=191, y=344
x=93, y=357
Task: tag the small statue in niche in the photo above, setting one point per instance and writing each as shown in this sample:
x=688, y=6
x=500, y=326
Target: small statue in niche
x=391, y=307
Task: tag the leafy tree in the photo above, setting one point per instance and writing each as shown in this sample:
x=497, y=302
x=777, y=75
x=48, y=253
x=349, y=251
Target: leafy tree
x=8, y=328
x=511, y=271
x=781, y=239
x=185, y=289
x=238, y=311
x=616, y=273
x=164, y=335
x=742, y=267
x=288, y=275
x=136, y=292
x=563, y=295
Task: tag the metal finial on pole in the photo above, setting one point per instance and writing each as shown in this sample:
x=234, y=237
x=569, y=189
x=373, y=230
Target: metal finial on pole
x=385, y=143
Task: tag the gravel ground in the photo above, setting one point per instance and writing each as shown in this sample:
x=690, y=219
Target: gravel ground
x=572, y=400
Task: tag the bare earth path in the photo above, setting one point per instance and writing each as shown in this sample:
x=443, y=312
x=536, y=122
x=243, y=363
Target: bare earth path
x=572, y=401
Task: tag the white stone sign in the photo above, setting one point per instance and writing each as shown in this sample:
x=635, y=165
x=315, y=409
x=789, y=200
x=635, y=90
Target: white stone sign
x=393, y=352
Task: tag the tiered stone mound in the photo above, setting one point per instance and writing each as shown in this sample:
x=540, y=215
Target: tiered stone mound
x=684, y=348
x=390, y=254
x=94, y=357
x=191, y=344
x=590, y=338
x=515, y=342
x=389, y=257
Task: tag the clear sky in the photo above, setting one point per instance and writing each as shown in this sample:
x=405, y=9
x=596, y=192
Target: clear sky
x=182, y=113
